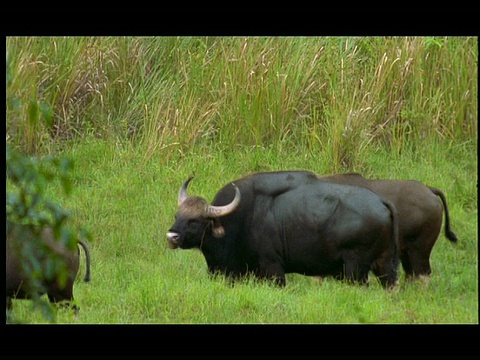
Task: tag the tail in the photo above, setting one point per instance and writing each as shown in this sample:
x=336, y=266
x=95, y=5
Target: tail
x=395, y=233
x=448, y=232
x=87, y=257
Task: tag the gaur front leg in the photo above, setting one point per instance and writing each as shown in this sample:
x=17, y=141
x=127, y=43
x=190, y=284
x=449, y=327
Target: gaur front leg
x=274, y=272
x=356, y=273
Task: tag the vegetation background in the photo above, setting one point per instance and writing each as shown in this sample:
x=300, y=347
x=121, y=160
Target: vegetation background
x=137, y=115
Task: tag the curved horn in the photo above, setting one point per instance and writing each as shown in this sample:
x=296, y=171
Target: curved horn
x=217, y=211
x=182, y=194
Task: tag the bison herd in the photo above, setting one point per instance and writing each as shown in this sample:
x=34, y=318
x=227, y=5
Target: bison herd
x=272, y=223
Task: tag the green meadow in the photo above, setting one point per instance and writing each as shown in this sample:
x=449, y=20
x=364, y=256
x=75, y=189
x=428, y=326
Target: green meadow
x=138, y=115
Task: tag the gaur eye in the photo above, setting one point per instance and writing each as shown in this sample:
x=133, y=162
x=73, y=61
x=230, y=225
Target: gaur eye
x=193, y=222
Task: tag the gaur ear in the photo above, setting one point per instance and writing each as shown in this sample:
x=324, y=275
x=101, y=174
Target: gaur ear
x=218, y=230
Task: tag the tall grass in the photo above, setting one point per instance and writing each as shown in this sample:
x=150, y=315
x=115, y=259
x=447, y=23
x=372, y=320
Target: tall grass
x=348, y=94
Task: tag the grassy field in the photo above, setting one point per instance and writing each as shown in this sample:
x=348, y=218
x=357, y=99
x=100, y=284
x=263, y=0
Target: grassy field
x=137, y=279
x=139, y=115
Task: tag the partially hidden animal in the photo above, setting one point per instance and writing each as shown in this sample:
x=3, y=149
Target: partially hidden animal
x=420, y=217
x=30, y=246
x=273, y=223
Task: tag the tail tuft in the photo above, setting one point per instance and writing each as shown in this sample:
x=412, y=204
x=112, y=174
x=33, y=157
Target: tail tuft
x=451, y=235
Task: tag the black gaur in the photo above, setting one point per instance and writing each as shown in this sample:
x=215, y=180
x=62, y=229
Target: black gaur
x=279, y=222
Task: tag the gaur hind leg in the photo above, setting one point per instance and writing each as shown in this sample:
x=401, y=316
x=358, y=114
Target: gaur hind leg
x=63, y=296
x=419, y=256
x=420, y=261
x=406, y=265
x=9, y=304
x=421, y=245
x=385, y=269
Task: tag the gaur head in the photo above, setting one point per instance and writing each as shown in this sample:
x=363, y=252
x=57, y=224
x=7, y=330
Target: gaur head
x=195, y=217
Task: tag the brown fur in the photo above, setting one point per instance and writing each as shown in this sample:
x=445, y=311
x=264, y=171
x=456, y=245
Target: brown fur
x=193, y=207
x=420, y=216
x=17, y=281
